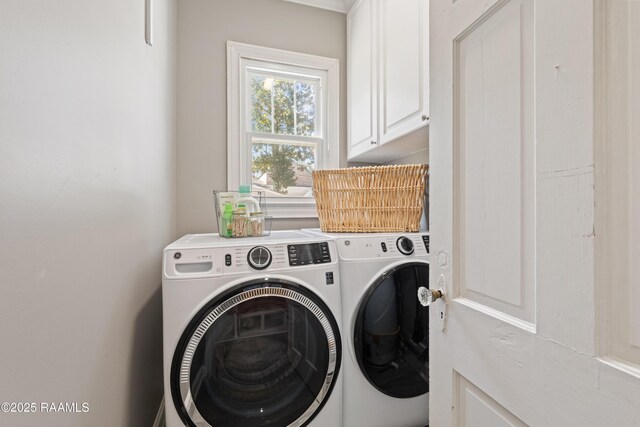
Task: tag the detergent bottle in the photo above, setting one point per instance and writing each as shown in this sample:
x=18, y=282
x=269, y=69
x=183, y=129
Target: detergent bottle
x=226, y=220
x=246, y=199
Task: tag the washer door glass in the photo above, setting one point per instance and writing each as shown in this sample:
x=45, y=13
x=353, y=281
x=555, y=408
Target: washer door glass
x=263, y=355
x=391, y=336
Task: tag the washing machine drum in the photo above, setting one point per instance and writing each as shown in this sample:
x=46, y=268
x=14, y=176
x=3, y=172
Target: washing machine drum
x=264, y=354
x=391, y=334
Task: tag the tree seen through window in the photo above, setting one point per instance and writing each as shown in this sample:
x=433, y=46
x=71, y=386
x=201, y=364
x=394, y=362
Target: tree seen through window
x=283, y=107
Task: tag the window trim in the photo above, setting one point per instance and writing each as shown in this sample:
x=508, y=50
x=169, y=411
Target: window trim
x=238, y=54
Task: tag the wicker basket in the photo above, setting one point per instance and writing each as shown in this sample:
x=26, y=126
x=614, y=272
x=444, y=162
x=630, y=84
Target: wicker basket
x=370, y=199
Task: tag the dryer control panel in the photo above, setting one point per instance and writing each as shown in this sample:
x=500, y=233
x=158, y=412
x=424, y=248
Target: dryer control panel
x=383, y=246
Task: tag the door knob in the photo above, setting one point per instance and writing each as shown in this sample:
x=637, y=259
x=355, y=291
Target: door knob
x=427, y=296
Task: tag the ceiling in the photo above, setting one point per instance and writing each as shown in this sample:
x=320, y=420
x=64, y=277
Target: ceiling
x=342, y=6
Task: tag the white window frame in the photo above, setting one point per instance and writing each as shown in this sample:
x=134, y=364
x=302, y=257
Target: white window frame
x=242, y=56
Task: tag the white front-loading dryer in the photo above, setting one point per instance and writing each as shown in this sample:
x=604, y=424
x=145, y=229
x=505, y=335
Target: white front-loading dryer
x=251, y=331
x=385, y=328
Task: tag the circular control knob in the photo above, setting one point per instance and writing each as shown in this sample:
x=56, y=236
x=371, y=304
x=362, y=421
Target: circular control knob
x=259, y=257
x=405, y=245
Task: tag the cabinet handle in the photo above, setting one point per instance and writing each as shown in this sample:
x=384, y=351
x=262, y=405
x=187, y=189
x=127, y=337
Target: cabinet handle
x=425, y=117
x=373, y=143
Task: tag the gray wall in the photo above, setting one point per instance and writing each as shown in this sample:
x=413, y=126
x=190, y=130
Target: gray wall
x=87, y=202
x=418, y=157
x=204, y=26
x=418, y=138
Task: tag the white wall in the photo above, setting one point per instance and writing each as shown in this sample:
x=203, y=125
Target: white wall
x=87, y=202
x=204, y=26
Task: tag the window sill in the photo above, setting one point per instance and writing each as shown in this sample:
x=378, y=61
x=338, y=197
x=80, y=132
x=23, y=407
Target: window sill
x=291, y=209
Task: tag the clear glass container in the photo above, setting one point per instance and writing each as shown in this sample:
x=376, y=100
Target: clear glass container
x=240, y=224
x=257, y=223
x=241, y=215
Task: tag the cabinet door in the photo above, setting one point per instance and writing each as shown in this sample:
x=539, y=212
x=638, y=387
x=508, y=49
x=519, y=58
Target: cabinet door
x=362, y=77
x=403, y=67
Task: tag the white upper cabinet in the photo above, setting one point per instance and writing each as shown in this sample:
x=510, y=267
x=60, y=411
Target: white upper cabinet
x=388, y=75
x=404, y=67
x=362, y=78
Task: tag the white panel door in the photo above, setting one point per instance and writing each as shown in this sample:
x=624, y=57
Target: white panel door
x=619, y=169
x=362, y=77
x=528, y=203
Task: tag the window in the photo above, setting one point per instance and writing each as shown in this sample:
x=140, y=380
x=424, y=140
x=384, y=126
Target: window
x=282, y=124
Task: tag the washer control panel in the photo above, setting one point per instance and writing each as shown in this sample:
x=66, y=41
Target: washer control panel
x=209, y=262
x=308, y=253
x=251, y=258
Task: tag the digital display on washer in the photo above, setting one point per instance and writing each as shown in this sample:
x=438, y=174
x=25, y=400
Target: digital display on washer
x=309, y=253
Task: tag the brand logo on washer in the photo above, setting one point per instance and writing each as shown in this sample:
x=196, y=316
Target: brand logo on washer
x=329, y=277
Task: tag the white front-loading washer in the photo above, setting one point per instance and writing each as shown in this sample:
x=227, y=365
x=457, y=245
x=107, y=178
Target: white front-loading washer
x=251, y=331
x=385, y=328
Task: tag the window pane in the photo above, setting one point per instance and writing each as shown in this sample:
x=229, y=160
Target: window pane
x=283, y=169
x=260, y=108
x=283, y=107
x=305, y=108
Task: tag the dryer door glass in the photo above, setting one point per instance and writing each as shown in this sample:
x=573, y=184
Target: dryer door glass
x=263, y=355
x=391, y=334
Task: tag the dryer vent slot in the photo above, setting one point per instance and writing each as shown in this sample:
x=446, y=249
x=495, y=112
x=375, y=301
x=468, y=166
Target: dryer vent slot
x=194, y=267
